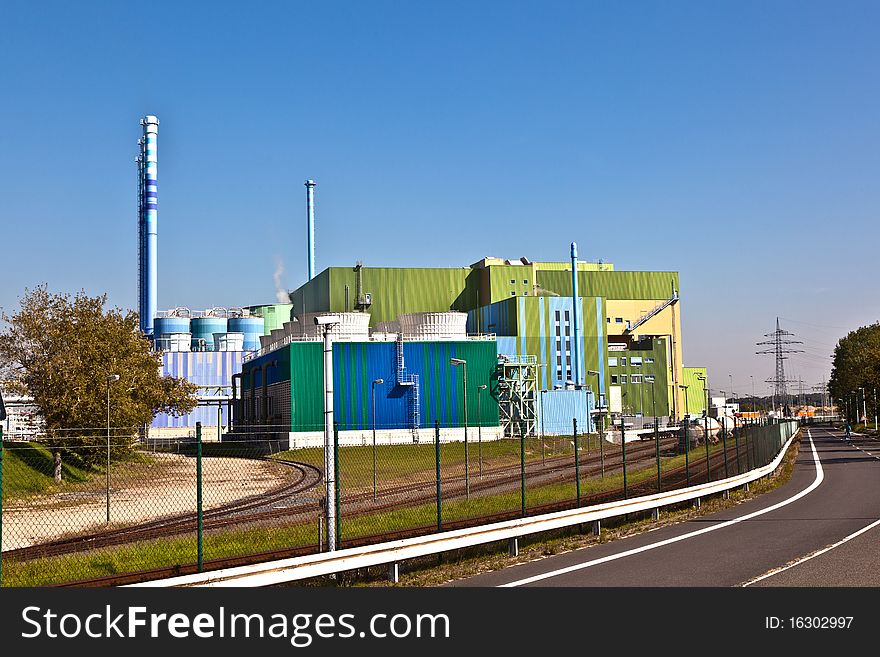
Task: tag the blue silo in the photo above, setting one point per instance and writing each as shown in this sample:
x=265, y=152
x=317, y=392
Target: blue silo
x=252, y=327
x=203, y=330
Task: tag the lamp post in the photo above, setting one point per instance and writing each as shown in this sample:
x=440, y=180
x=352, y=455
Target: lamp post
x=327, y=323
x=110, y=379
x=864, y=409
x=600, y=420
x=480, y=389
x=687, y=470
x=375, y=383
x=754, y=399
x=705, y=381
x=455, y=362
x=875, y=409
x=543, y=461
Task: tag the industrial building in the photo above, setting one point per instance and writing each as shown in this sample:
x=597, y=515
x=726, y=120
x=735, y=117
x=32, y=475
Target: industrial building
x=598, y=329
x=551, y=341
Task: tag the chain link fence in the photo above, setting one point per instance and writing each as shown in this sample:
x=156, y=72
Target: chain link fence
x=175, y=505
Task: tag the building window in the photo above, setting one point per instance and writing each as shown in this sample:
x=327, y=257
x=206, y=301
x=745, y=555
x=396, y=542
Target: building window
x=513, y=281
x=612, y=362
x=635, y=360
x=526, y=293
x=649, y=361
x=649, y=379
x=614, y=379
x=525, y=281
x=636, y=378
x=623, y=378
x=622, y=361
x=609, y=320
x=512, y=293
x=619, y=320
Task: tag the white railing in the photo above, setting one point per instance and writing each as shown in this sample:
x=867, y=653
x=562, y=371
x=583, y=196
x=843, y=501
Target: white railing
x=328, y=563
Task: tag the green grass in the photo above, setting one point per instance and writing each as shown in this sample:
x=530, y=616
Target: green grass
x=417, y=462
x=27, y=471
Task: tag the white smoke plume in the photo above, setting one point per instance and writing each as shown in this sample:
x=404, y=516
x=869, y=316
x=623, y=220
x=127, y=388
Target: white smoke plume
x=280, y=292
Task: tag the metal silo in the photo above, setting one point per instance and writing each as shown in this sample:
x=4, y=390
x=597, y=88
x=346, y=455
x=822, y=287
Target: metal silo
x=252, y=327
x=166, y=325
x=203, y=329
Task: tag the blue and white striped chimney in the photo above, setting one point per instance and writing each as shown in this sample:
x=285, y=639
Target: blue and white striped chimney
x=149, y=215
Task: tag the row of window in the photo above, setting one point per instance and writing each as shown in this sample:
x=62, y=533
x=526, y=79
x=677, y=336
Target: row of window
x=634, y=360
x=635, y=378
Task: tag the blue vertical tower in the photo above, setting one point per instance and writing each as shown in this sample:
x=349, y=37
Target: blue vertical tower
x=148, y=195
x=310, y=218
x=575, y=301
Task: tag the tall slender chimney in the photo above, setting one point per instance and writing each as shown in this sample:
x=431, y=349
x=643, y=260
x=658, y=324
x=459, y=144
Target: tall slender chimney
x=310, y=211
x=148, y=203
x=575, y=301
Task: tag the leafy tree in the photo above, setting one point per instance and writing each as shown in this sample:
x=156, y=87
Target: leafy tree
x=856, y=365
x=61, y=349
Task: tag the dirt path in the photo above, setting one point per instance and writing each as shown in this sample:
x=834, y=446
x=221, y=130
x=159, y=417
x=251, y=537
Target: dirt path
x=164, y=487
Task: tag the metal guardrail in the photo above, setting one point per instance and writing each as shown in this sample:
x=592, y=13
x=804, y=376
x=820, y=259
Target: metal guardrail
x=328, y=563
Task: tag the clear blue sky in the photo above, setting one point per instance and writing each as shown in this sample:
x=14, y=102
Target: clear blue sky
x=735, y=142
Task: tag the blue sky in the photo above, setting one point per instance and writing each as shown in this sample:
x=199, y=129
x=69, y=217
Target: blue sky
x=734, y=142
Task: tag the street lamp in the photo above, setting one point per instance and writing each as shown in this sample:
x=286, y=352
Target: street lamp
x=480, y=389
x=375, y=383
x=864, y=417
x=327, y=323
x=112, y=378
x=600, y=420
x=543, y=461
x=455, y=362
x=705, y=380
x=687, y=470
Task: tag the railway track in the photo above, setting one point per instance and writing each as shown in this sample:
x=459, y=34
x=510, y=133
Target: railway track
x=672, y=478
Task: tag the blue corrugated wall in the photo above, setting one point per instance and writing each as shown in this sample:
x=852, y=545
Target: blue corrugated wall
x=204, y=368
x=356, y=364
x=558, y=407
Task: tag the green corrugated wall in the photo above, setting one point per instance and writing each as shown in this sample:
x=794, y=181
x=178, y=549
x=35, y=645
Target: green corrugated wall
x=397, y=291
x=612, y=284
x=638, y=395
x=696, y=393
x=274, y=315
x=306, y=386
x=313, y=296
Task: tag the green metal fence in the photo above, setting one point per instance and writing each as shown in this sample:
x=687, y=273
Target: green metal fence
x=178, y=505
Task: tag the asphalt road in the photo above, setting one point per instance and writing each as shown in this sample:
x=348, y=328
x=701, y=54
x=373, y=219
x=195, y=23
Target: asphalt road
x=833, y=493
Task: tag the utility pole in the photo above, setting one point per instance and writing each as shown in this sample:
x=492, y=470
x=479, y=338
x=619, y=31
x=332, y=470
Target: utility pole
x=779, y=346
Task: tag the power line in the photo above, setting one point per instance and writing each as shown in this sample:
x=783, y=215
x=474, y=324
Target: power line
x=779, y=344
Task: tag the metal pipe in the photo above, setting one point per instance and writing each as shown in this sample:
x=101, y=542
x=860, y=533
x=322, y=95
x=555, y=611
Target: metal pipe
x=310, y=211
x=575, y=351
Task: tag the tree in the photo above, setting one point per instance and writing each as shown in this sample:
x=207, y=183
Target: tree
x=856, y=365
x=60, y=349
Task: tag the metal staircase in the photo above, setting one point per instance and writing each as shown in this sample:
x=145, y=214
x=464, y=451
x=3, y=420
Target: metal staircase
x=653, y=313
x=412, y=382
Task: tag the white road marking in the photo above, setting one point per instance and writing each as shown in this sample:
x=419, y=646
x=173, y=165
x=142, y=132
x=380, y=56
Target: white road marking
x=820, y=475
x=815, y=554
